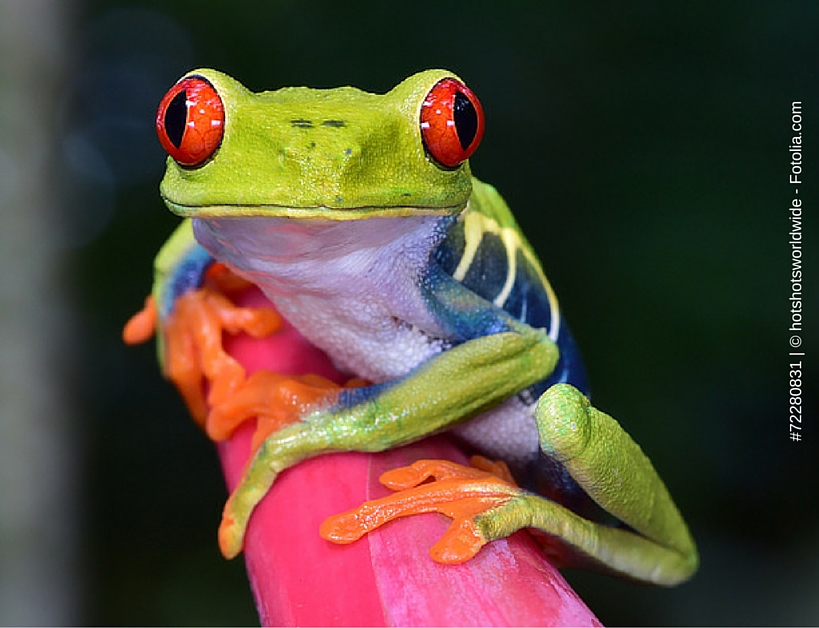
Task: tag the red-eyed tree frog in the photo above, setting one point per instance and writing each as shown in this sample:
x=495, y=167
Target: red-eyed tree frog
x=357, y=215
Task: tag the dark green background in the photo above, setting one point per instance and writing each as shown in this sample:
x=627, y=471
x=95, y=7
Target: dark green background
x=643, y=149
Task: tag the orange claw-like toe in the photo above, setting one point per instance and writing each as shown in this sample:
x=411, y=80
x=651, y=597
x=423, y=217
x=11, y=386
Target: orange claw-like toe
x=142, y=325
x=459, y=492
x=462, y=540
x=422, y=470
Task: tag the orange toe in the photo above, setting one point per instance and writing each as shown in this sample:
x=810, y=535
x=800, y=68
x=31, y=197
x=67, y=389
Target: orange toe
x=142, y=325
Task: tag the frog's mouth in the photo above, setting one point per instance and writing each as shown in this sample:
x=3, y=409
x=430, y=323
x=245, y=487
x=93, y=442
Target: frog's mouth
x=320, y=211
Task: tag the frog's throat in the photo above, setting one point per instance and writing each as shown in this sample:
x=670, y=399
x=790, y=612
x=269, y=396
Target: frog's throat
x=324, y=212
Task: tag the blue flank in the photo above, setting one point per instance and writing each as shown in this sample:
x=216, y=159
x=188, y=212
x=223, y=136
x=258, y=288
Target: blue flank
x=186, y=275
x=527, y=302
x=469, y=313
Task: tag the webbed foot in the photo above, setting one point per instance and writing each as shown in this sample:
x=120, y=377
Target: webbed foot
x=465, y=494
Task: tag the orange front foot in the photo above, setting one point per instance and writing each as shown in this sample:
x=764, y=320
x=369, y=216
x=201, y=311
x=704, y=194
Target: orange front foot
x=212, y=383
x=275, y=400
x=194, y=355
x=459, y=492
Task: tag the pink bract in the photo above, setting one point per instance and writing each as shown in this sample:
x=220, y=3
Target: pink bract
x=387, y=578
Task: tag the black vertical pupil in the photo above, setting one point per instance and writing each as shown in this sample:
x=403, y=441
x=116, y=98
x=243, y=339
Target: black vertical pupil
x=176, y=117
x=466, y=119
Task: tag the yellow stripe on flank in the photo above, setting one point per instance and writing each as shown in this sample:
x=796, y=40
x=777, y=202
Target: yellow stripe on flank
x=475, y=226
x=511, y=241
x=473, y=234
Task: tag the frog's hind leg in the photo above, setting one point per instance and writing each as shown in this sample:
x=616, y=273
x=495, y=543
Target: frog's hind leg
x=654, y=546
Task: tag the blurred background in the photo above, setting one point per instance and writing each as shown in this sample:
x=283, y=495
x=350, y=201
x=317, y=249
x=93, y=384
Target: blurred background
x=645, y=153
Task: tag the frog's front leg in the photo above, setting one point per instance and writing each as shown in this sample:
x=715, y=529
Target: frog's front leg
x=449, y=388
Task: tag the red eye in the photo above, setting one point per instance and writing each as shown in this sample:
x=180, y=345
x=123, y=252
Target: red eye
x=190, y=121
x=451, y=122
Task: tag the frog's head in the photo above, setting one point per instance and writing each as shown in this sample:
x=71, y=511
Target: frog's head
x=337, y=153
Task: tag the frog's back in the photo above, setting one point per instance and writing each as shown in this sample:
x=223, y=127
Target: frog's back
x=487, y=253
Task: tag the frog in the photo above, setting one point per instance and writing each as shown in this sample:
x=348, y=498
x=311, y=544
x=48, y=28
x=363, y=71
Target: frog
x=358, y=216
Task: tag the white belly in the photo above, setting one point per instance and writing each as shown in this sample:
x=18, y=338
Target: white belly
x=365, y=339
x=351, y=288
